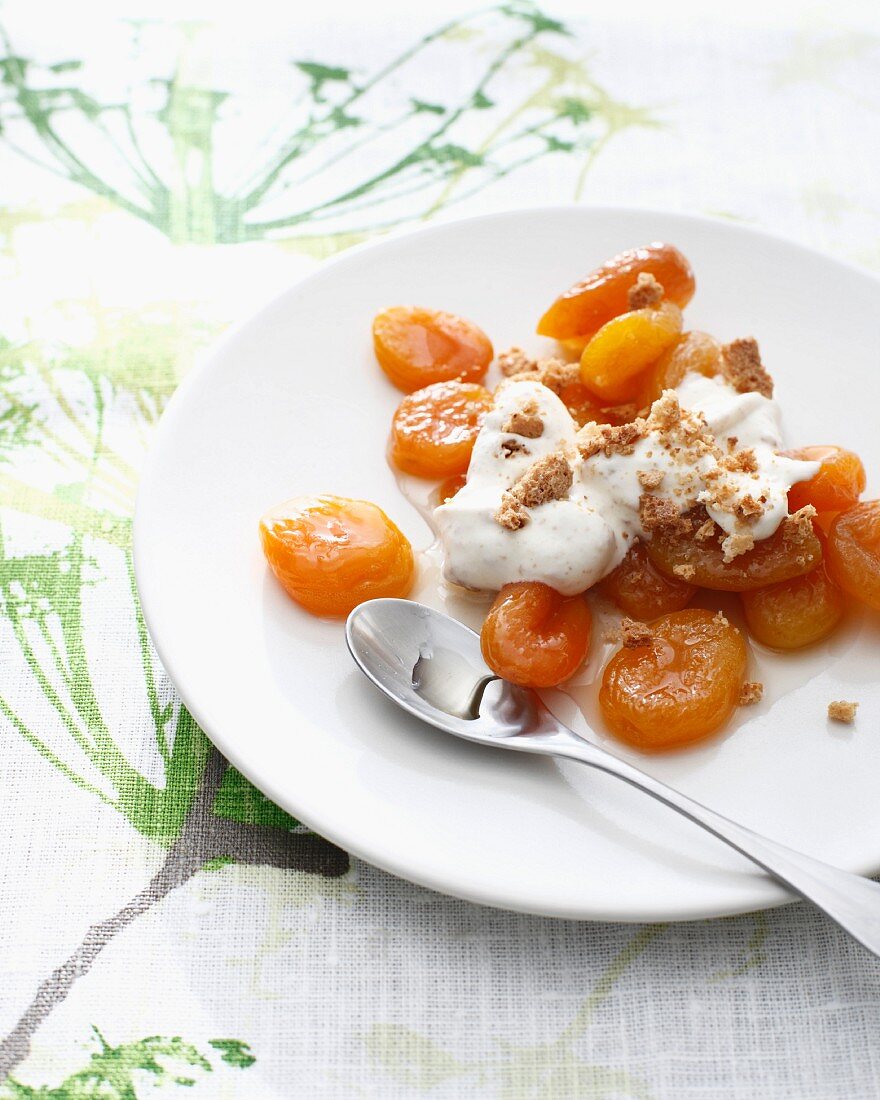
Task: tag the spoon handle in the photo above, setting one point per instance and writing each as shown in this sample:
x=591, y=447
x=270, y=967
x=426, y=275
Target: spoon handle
x=850, y=900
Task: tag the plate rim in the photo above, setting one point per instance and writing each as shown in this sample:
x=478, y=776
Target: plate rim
x=763, y=894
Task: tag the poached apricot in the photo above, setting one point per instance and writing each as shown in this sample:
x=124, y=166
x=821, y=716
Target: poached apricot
x=695, y=352
x=625, y=347
x=854, y=552
x=792, y=550
x=794, y=613
x=434, y=429
x=535, y=637
x=588, y=305
x=838, y=484
x=680, y=688
x=332, y=553
x=641, y=590
x=418, y=347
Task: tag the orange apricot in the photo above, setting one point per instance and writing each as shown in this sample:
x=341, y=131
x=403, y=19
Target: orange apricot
x=534, y=636
x=434, y=429
x=792, y=550
x=591, y=303
x=838, y=484
x=695, y=352
x=332, y=553
x=854, y=552
x=641, y=590
x=417, y=347
x=625, y=347
x=679, y=689
x=794, y=613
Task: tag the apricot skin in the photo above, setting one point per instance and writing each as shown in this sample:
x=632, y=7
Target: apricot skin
x=622, y=350
x=434, y=429
x=681, y=688
x=789, y=552
x=696, y=352
x=795, y=613
x=332, y=553
x=588, y=305
x=838, y=484
x=854, y=552
x=535, y=637
x=418, y=347
x=641, y=591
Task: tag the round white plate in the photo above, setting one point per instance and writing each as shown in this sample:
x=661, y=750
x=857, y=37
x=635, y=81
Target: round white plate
x=293, y=402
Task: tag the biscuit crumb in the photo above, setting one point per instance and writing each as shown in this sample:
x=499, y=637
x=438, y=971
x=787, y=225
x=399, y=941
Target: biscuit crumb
x=511, y=447
x=749, y=509
x=743, y=368
x=799, y=524
x=644, y=292
x=751, y=692
x=720, y=618
x=686, y=572
x=612, y=439
x=548, y=478
x=525, y=422
x=740, y=542
x=657, y=512
x=649, y=479
x=665, y=413
x=706, y=531
x=515, y=361
x=556, y=374
x=842, y=711
x=743, y=461
x=635, y=635
x=511, y=514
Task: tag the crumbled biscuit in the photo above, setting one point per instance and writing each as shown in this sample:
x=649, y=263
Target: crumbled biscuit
x=511, y=514
x=750, y=693
x=743, y=462
x=515, y=361
x=749, y=509
x=548, y=478
x=842, y=711
x=732, y=441
x=686, y=572
x=644, y=292
x=525, y=422
x=743, y=368
x=556, y=374
x=720, y=618
x=612, y=439
x=511, y=447
x=799, y=524
x=657, y=512
x=706, y=531
x=649, y=479
x=740, y=542
x=665, y=414
x=635, y=635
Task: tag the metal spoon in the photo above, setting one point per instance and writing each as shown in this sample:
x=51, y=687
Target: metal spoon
x=431, y=665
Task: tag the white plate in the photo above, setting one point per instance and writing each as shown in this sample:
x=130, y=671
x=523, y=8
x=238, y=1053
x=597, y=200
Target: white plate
x=293, y=402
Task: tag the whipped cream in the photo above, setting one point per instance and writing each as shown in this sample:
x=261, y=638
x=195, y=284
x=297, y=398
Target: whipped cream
x=572, y=543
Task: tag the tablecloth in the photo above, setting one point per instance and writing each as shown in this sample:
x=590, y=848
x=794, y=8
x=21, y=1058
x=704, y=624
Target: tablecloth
x=164, y=169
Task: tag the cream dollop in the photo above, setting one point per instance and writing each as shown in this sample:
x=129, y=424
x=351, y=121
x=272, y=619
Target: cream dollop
x=572, y=543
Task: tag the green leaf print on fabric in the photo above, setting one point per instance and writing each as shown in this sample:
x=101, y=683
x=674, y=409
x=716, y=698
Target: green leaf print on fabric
x=134, y=1070
x=306, y=176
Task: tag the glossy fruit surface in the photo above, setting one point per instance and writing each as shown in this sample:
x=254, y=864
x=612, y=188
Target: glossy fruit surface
x=417, y=347
x=641, y=590
x=679, y=689
x=434, y=429
x=854, y=552
x=332, y=553
x=603, y=294
x=795, y=613
x=838, y=484
x=625, y=347
x=793, y=550
x=535, y=637
x=695, y=352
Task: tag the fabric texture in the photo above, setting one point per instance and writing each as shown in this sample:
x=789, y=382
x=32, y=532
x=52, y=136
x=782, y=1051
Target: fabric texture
x=165, y=928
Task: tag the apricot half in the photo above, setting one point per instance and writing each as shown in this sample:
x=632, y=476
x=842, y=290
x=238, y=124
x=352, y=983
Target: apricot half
x=417, y=347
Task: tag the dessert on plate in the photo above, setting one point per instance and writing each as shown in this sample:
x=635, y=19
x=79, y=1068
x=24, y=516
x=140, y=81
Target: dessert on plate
x=642, y=465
